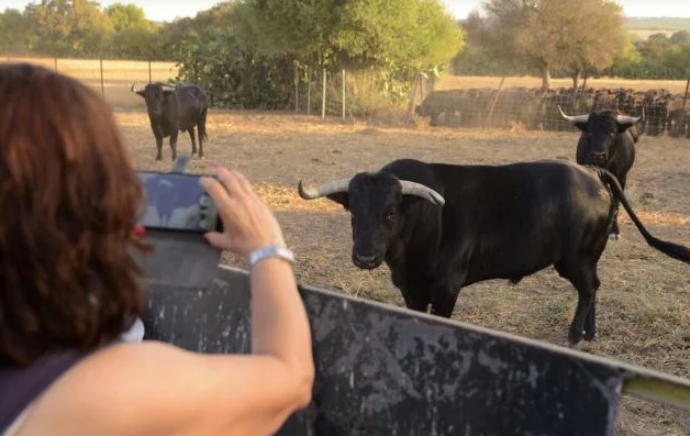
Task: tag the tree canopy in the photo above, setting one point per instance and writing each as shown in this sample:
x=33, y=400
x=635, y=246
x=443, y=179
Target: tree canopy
x=547, y=35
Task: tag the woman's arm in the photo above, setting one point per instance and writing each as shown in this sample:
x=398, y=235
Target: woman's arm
x=157, y=389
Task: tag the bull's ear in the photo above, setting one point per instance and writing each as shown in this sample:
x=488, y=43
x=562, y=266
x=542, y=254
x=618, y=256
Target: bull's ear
x=623, y=127
x=582, y=126
x=139, y=93
x=342, y=198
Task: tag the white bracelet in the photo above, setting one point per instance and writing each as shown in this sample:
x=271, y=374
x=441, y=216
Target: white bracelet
x=266, y=252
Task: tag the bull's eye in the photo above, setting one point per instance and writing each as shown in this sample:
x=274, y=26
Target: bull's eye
x=391, y=215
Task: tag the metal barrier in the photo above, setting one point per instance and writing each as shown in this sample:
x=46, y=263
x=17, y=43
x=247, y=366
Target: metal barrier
x=382, y=370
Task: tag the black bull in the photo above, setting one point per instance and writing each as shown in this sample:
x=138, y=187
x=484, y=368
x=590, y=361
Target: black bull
x=607, y=141
x=174, y=109
x=440, y=227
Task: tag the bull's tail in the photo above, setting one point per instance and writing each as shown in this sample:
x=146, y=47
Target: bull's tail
x=675, y=251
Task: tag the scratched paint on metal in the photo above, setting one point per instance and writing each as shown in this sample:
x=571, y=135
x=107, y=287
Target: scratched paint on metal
x=386, y=371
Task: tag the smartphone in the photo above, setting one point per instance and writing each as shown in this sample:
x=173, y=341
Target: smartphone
x=177, y=202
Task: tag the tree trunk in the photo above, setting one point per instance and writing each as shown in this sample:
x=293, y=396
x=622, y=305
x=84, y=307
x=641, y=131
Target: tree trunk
x=577, y=75
x=545, y=77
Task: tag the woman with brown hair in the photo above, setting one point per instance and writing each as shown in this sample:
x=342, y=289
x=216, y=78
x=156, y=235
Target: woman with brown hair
x=69, y=287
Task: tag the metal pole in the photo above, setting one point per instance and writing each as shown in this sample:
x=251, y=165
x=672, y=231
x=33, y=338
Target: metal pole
x=309, y=93
x=323, y=102
x=296, y=89
x=102, y=84
x=150, y=76
x=413, y=95
x=684, y=113
x=343, y=94
x=493, y=104
x=55, y=62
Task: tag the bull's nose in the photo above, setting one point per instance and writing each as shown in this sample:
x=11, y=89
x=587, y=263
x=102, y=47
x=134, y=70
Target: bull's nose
x=365, y=259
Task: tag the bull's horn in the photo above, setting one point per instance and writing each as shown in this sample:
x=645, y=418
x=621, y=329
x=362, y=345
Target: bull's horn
x=323, y=190
x=419, y=190
x=136, y=89
x=575, y=118
x=625, y=119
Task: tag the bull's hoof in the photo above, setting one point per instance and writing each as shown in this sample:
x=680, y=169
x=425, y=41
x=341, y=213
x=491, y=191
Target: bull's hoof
x=615, y=236
x=574, y=337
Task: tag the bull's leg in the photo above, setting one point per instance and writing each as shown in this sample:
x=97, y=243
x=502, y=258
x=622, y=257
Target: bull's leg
x=202, y=133
x=159, y=147
x=416, y=299
x=581, y=274
x=590, y=320
x=443, y=299
x=191, y=136
x=173, y=144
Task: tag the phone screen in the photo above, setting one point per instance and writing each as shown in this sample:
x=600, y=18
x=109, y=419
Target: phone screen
x=176, y=201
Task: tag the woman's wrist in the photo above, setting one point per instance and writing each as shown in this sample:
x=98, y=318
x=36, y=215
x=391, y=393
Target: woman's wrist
x=278, y=251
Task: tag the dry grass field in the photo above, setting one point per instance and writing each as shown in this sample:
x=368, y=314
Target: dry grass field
x=644, y=301
x=467, y=82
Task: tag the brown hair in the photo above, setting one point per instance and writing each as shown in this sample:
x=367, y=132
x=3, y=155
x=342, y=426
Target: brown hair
x=70, y=201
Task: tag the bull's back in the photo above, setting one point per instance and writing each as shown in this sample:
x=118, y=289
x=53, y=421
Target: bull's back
x=520, y=218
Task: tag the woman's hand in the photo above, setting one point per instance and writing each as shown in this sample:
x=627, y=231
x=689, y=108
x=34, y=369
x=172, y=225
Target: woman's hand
x=248, y=224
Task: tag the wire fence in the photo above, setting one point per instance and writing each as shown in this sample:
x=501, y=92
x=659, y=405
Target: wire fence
x=536, y=109
x=509, y=104
x=456, y=101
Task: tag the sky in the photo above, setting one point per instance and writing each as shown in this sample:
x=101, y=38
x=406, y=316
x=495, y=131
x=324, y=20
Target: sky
x=167, y=10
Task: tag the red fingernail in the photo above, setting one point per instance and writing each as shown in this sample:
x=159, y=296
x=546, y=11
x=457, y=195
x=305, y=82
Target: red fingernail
x=205, y=239
x=139, y=231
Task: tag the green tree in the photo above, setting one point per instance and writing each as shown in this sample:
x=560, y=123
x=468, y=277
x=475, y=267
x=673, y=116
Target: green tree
x=547, y=35
x=134, y=35
x=69, y=27
x=677, y=59
x=680, y=38
x=15, y=35
x=655, y=47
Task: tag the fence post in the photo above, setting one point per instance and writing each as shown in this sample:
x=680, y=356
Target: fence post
x=323, y=102
x=344, y=94
x=296, y=89
x=55, y=63
x=102, y=84
x=493, y=104
x=413, y=95
x=309, y=93
x=685, y=105
x=150, y=75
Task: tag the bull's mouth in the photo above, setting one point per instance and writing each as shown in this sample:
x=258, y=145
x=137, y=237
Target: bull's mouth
x=366, y=262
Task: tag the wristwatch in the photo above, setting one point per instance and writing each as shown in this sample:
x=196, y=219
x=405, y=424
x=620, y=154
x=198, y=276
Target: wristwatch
x=263, y=253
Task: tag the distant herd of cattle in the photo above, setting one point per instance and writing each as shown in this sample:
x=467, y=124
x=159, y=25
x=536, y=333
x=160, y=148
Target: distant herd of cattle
x=536, y=109
x=441, y=227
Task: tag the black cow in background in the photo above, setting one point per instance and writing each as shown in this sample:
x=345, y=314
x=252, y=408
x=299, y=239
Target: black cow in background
x=608, y=141
x=440, y=227
x=172, y=109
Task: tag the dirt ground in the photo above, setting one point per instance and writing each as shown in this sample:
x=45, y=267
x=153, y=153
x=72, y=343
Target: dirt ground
x=644, y=300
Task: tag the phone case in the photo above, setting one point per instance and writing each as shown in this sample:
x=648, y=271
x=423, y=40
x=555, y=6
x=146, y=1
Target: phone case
x=176, y=201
